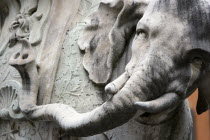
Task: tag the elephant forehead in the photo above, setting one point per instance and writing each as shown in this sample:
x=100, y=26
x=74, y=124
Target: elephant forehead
x=176, y=26
x=158, y=20
x=165, y=30
x=195, y=12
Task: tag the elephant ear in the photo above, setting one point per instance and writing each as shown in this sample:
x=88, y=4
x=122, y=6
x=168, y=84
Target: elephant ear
x=105, y=35
x=203, y=102
x=124, y=27
x=95, y=42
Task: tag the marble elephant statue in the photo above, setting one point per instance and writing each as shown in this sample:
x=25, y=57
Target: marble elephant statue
x=170, y=60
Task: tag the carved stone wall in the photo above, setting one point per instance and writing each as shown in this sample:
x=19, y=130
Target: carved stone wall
x=36, y=22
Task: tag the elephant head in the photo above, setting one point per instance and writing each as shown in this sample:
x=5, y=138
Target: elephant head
x=170, y=59
x=170, y=51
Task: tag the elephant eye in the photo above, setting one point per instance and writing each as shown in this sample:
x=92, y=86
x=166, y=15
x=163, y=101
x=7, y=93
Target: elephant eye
x=197, y=60
x=141, y=32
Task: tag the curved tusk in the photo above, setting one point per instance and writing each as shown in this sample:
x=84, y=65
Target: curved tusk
x=160, y=104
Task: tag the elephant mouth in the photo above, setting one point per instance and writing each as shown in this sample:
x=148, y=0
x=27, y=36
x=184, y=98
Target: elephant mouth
x=149, y=118
x=146, y=114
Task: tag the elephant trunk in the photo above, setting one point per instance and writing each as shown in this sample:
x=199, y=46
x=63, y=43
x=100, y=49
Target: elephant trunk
x=119, y=109
x=114, y=112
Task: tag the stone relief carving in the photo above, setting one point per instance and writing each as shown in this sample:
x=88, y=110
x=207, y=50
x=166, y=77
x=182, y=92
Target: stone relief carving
x=28, y=23
x=25, y=32
x=23, y=25
x=169, y=61
x=9, y=92
x=27, y=130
